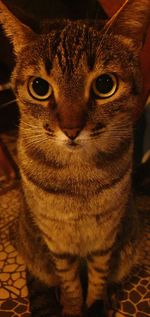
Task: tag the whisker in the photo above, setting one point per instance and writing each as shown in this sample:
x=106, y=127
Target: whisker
x=29, y=126
x=32, y=129
x=35, y=137
x=27, y=129
x=47, y=139
x=34, y=133
x=26, y=123
x=33, y=143
x=4, y=105
x=6, y=86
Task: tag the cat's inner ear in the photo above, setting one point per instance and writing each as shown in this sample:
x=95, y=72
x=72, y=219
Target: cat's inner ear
x=19, y=34
x=131, y=20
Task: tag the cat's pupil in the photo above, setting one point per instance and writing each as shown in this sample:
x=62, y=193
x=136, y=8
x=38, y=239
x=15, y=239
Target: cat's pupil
x=104, y=84
x=40, y=86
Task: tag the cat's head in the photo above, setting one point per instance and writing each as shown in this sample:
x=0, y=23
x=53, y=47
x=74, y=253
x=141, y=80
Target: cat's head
x=77, y=83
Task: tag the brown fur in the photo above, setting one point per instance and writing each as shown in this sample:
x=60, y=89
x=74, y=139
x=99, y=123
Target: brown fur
x=77, y=194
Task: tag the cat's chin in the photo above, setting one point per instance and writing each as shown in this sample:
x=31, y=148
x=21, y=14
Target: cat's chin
x=72, y=145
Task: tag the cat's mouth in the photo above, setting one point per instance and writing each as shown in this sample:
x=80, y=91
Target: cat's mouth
x=72, y=144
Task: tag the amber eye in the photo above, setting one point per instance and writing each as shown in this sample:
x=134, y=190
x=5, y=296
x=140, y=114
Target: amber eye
x=39, y=88
x=105, y=85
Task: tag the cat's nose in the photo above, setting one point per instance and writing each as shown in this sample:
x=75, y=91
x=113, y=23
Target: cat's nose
x=72, y=133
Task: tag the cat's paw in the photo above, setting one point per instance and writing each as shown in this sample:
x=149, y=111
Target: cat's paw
x=97, y=309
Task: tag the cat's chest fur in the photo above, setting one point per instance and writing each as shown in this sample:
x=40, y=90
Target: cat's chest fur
x=79, y=236
x=76, y=222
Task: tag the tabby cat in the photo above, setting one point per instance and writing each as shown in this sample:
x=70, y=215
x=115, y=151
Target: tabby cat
x=78, y=87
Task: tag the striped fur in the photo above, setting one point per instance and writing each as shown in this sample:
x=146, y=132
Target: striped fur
x=75, y=152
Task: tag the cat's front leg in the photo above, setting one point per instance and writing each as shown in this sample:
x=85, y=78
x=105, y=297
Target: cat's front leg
x=67, y=270
x=43, y=299
x=98, y=269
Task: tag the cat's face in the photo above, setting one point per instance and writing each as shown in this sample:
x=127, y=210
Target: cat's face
x=77, y=87
x=77, y=90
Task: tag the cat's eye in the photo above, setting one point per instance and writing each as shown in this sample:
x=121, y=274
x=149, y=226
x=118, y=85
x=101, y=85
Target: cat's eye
x=39, y=88
x=105, y=85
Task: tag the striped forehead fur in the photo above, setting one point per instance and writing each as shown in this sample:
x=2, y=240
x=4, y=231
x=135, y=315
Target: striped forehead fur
x=73, y=42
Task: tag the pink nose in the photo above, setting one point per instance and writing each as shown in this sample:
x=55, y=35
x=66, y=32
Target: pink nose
x=72, y=133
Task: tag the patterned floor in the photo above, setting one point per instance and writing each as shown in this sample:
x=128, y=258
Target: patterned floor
x=130, y=299
x=13, y=290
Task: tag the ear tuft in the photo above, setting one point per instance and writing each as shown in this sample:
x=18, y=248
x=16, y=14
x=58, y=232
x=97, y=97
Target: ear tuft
x=131, y=20
x=19, y=33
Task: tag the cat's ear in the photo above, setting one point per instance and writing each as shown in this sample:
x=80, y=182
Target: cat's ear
x=19, y=34
x=132, y=21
